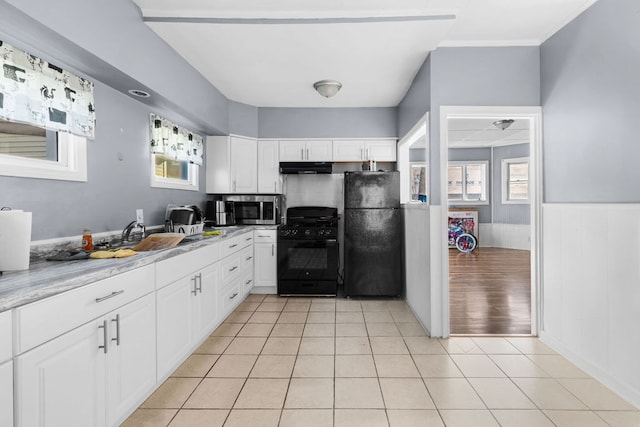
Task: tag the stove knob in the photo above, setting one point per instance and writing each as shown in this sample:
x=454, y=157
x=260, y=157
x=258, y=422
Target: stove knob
x=307, y=232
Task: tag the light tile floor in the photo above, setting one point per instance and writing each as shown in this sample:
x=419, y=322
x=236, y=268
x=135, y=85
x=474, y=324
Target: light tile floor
x=343, y=362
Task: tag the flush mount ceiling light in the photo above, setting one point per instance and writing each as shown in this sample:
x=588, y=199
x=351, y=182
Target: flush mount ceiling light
x=327, y=88
x=503, y=124
x=139, y=93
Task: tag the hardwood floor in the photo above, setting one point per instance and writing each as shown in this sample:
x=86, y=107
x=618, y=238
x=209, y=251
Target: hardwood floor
x=490, y=291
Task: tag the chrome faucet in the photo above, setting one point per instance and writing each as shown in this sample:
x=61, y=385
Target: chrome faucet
x=127, y=230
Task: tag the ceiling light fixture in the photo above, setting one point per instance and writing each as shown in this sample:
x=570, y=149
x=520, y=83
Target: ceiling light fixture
x=139, y=93
x=503, y=124
x=327, y=88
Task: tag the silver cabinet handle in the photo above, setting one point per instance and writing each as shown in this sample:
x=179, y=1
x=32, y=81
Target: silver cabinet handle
x=248, y=239
x=117, y=338
x=273, y=248
x=262, y=235
x=361, y=154
x=104, y=336
x=233, y=246
x=302, y=153
x=248, y=281
x=248, y=258
x=234, y=268
x=234, y=185
x=233, y=296
x=198, y=278
x=194, y=291
x=111, y=295
x=307, y=154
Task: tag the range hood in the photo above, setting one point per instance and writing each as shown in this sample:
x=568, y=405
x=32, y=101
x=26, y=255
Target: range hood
x=305, y=167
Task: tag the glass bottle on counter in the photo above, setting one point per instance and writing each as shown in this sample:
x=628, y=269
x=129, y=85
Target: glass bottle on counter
x=87, y=240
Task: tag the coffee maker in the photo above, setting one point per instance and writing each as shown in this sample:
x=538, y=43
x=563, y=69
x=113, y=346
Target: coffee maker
x=221, y=212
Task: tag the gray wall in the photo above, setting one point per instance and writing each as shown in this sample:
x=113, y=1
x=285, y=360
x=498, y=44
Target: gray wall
x=488, y=76
x=417, y=100
x=509, y=213
x=327, y=122
x=590, y=96
x=243, y=119
x=114, y=188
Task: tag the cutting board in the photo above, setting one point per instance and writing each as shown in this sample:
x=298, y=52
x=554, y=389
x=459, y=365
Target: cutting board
x=157, y=241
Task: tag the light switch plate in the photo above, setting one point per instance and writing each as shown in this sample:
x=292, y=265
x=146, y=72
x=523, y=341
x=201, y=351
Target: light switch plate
x=139, y=216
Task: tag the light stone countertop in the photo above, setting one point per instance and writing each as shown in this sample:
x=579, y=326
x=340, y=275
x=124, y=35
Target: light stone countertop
x=47, y=278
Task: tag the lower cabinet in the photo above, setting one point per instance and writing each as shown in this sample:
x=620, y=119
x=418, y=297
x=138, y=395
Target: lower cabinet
x=187, y=311
x=6, y=393
x=92, y=375
x=265, y=271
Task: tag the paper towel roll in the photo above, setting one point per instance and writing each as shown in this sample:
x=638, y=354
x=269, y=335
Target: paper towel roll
x=15, y=240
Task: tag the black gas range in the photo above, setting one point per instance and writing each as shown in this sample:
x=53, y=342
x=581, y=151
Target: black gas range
x=308, y=251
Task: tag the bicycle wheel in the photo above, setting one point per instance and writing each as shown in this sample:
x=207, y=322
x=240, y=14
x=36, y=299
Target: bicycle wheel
x=466, y=242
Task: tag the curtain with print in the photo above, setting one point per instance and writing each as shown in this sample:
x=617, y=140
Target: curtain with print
x=38, y=93
x=176, y=142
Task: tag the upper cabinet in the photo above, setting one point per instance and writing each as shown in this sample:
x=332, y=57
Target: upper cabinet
x=231, y=165
x=356, y=150
x=269, y=167
x=317, y=150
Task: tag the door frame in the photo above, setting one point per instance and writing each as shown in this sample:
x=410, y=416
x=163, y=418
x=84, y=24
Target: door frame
x=534, y=115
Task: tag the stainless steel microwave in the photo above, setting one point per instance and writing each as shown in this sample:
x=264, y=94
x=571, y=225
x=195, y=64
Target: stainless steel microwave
x=256, y=209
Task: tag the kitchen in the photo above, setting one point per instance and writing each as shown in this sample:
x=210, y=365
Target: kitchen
x=117, y=184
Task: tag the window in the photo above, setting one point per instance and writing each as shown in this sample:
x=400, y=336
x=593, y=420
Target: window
x=171, y=173
x=467, y=182
x=32, y=152
x=515, y=181
x=418, y=176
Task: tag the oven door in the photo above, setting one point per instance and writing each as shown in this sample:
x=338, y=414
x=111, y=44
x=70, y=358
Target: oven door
x=307, y=267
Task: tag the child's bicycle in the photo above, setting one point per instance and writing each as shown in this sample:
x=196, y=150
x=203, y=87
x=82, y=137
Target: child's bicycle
x=465, y=242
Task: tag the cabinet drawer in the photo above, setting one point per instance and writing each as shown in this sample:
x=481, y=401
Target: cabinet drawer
x=246, y=239
x=229, y=246
x=6, y=333
x=246, y=257
x=43, y=320
x=265, y=236
x=230, y=298
x=230, y=268
x=172, y=269
x=246, y=280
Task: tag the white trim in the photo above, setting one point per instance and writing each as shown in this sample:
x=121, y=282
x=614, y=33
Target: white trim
x=420, y=129
x=71, y=164
x=504, y=178
x=191, y=184
x=534, y=114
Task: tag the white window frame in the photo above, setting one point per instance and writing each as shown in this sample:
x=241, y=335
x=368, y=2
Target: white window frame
x=71, y=164
x=466, y=163
x=505, y=179
x=192, y=183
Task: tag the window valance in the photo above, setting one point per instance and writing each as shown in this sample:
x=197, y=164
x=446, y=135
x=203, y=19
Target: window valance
x=174, y=141
x=39, y=93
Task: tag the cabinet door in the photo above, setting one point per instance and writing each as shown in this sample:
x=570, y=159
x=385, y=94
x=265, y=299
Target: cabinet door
x=131, y=360
x=6, y=394
x=292, y=151
x=265, y=265
x=174, y=323
x=381, y=151
x=244, y=163
x=348, y=151
x=319, y=151
x=206, y=300
x=268, y=167
x=62, y=382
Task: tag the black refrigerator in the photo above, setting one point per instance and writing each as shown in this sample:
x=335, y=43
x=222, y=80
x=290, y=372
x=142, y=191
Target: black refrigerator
x=372, y=234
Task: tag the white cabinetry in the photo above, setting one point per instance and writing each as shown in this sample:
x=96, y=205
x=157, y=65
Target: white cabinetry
x=269, y=167
x=98, y=369
x=306, y=150
x=6, y=370
x=266, y=253
x=355, y=150
x=231, y=164
x=237, y=254
x=186, y=304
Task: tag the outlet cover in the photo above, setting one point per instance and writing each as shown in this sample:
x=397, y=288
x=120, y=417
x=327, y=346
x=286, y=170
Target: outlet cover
x=139, y=216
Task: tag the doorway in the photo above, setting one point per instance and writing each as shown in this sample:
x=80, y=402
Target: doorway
x=492, y=290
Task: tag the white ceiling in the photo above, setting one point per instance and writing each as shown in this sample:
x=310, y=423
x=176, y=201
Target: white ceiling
x=269, y=53
x=468, y=133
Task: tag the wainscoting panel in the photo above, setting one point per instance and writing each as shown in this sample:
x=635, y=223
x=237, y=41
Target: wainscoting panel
x=591, y=290
x=506, y=236
x=416, y=260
